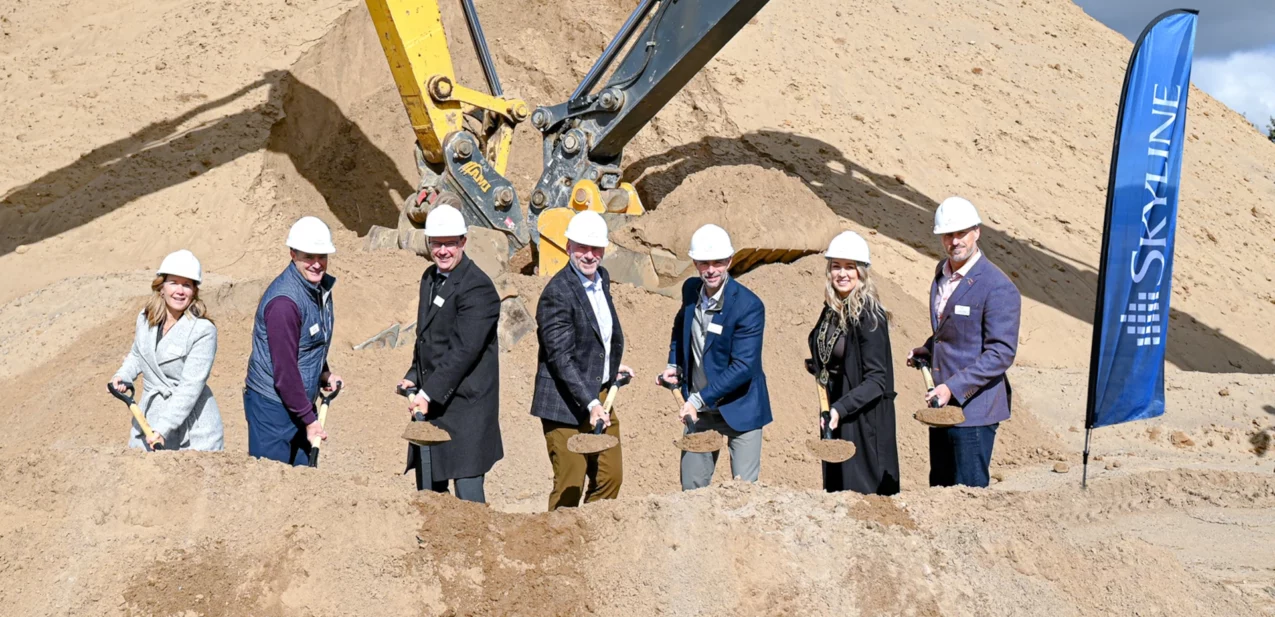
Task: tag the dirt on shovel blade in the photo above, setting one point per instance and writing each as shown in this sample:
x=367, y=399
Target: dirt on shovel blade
x=940, y=416
x=704, y=441
x=588, y=443
x=425, y=433
x=831, y=450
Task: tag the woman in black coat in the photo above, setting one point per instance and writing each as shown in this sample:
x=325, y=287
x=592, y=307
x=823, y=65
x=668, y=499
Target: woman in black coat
x=850, y=351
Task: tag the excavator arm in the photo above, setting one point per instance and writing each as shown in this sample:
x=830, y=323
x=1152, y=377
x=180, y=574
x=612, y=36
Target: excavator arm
x=463, y=136
x=584, y=138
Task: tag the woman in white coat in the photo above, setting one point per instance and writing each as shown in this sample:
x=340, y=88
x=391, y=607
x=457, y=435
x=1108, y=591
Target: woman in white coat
x=173, y=350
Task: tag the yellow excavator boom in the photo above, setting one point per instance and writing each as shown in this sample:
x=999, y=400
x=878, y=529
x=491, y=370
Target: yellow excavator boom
x=472, y=176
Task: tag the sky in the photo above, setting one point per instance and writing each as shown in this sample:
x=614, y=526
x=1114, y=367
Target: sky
x=1234, y=46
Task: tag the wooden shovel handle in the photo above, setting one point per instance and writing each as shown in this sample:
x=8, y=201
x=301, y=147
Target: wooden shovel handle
x=145, y=426
x=929, y=377
x=323, y=418
x=606, y=405
x=823, y=397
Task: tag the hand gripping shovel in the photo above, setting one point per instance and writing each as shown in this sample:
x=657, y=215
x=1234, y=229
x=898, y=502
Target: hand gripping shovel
x=705, y=441
x=934, y=415
x=828, y=448
x=597, y=441
x=324, y=401
x=127, y=397
x=421, y=432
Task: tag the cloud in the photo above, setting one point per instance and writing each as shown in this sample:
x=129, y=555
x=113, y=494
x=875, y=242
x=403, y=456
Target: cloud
x=1244, y=81
x=1224, y=25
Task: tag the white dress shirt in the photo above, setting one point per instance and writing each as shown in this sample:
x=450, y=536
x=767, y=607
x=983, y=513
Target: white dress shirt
x=602, y=311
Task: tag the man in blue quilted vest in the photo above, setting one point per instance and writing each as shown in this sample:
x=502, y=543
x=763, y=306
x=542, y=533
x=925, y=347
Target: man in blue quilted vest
x=291, y=335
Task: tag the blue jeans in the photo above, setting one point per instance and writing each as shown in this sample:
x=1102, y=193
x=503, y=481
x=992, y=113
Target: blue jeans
x=468, y=489
x=961, y=455
x=273, y=432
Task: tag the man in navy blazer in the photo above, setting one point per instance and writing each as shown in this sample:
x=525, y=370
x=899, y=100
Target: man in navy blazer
x=974, y=314
x=716, y=348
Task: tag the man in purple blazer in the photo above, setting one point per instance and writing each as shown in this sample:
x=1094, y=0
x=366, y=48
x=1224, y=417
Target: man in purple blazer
x=974, y=314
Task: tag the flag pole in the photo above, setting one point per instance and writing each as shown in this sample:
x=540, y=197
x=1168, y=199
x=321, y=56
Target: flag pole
x=1084, y=468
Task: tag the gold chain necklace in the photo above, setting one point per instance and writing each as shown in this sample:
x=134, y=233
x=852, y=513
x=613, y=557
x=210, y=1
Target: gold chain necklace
x=829, y=331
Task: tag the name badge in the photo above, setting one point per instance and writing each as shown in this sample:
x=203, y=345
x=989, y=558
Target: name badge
x=714, y=328
x=962, y=310
x=438, y=301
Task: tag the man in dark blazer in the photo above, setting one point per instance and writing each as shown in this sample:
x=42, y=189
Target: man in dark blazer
x=581, y=344
x=974, y=315
x=455, y=364
x=716, y=348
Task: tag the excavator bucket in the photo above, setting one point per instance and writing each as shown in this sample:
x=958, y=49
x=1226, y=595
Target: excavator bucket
x=748, y=258
x=552, y=225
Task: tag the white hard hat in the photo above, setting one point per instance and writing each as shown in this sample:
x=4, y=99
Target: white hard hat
x=710, y=243
x=955, y=214
x=311, y=235
x=445, y=221
x=181, y=263
x=849, y=245
x=588, y=228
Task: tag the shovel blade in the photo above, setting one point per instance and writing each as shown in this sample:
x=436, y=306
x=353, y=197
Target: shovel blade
x=831, y=450
x=700, y=442
x=425, y=434
x=940, y=417
x=589, y=443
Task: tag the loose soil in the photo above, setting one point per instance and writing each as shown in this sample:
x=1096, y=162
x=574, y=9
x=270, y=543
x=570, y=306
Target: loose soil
x=588, y=443
x=425, y=433
x=940, y=416
x=831, y=450
x=703, y=441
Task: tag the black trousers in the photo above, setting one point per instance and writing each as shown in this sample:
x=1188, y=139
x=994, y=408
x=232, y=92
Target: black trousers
x=469, y=489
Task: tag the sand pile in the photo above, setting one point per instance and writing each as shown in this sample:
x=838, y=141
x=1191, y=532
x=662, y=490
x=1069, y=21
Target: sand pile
x=137, y=129
x=105, y=532
x=761, y=208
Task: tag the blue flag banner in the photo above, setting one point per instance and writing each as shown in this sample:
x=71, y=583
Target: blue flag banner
x=1131, y=320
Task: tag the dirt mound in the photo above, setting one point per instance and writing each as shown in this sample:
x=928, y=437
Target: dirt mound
x=761, y=208
x=246, y=537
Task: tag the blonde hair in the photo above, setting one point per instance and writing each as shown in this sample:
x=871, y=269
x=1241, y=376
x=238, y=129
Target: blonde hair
x=156, y=309
x=863, y=296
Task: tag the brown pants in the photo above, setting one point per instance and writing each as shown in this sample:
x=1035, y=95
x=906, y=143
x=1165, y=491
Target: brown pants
x=604, y=470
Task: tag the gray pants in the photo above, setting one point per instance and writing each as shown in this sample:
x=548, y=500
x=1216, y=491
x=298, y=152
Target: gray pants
x=745, y=454
x=468, y=489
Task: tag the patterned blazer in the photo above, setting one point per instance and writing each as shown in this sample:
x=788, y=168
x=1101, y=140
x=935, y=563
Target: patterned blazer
x=569, y=371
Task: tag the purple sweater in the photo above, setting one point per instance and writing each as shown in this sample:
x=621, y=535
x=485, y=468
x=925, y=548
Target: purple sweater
x=283, y=332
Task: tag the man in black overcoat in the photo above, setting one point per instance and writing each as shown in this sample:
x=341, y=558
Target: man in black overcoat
x=456, y=364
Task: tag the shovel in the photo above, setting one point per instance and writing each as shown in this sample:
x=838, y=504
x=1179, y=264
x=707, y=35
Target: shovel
x=934, y=415
x=324, y=401
x=425, y=434
x=828, y=448
x=597, y=441
x=127, y=397
x=691, y=441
